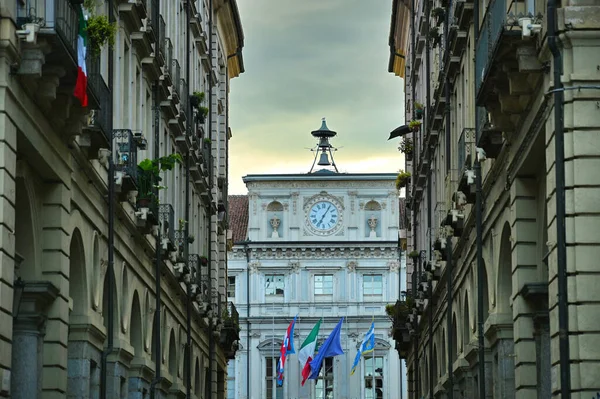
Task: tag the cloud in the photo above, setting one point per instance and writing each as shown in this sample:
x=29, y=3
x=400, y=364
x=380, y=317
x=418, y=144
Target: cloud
x=305, y=60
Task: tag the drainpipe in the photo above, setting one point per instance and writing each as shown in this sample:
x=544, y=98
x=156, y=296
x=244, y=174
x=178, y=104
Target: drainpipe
x=247, y=250
x=479, y=230
x=157, y=257
x=559, y=166
x=449, y=261
x=186, y=244
x=111, y=224
x=211, y=340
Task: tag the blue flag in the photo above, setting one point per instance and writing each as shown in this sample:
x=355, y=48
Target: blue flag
x=367, y=345
x=330, y=348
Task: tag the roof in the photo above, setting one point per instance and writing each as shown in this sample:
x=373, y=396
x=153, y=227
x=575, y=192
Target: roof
x=319, y=175
x=238, y=217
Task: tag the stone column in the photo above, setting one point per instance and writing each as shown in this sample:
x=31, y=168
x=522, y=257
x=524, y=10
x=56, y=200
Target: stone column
x=27, y=340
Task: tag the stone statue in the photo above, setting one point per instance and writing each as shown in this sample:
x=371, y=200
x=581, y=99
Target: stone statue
x=275, y=222
x=373, y=225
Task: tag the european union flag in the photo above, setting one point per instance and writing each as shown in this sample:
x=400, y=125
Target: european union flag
x=367, y=345
x=330, y=348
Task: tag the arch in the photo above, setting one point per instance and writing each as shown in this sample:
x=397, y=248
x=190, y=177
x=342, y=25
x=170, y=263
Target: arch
x=77, y=275
x=136, y=331
x=504, y=287
x=172, y=355
x=25, y=238
x=125, y=295
x=466, y=322
x=153, y=341
x=372, y=206
x=486, y=295
x=197, y=386
x=149, y=317
x=275, y=206
x=454, y=339
x=115, y=305
x=96, y=270
x=443, y=366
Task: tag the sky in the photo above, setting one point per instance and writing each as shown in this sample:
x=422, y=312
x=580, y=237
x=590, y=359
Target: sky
x=305, y=60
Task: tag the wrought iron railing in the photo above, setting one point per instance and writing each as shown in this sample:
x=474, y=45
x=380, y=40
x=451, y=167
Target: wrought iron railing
x=194, y=265
x=216, y=300
x=203, y=277
x=162, y=27
x=166, y=216
x=465, y=144
x=125, y=152
x=185, y=98
x=500, y=16
x=169, y=56
x=482, y=118
x=176, y=76
x=179, y=237
x=67, y=25
x=233, y=317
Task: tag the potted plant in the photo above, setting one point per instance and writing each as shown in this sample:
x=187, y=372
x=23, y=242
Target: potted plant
x=414, y=254
x=98, y=28
x=203, y=260
x=207, y=143
x=191, y=238
x=149, y=178
x=402, y=180
x=418, y=110
x=197, y=99
x=406, y=147
x=439, y=14
x=414, y=125
x=434, y=36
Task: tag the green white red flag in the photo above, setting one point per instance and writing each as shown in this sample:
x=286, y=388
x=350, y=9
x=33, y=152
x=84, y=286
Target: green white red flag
x=307, y=351
x=80, y=91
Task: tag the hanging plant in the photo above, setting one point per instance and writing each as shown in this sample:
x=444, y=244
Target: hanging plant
x=414, y=125
x=149, y=177
x=434, y=36
x=439, y=14
x=414, y=254
x=402, y=180
x=406, y=147
x=197, y=99
x=100, y=32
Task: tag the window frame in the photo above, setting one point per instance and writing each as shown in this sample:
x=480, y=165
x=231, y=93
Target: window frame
x=230, y=285
x=272, y=391
x=327, y=378
x=274, y=294
x=368, y=378
x=321, y=285
x=368, y=286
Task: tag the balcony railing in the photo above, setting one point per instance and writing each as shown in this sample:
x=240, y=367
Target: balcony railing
x=166, y=216
x=465, y=144
x=100, y=91
x=169, y=56
x=126, y=153
x=194, y=265
x=501, y=17
x=162, y=27
x=185, y=98
x=176, y=75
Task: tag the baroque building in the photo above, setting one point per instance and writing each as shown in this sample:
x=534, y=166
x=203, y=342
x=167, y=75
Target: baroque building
x=321, y=245
x=113, y=225
x=502, y=148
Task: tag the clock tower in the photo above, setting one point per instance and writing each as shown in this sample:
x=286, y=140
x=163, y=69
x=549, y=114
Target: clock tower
x=319, y=245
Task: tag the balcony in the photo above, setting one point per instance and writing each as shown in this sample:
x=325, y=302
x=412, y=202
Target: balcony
x=230, y=334
x=133, y=12
x=167, y=72
x=162, y=44
x=126, y=144
x=97, y=132
x=166, y=218
x=399, y=315
x=464, y=164
x=176, y=76
x=507, y=71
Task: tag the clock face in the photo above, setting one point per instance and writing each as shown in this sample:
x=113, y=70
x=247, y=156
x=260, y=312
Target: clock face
x=324, y=215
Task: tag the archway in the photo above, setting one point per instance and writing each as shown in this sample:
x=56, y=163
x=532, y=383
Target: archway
x=454, y=339
x=106, y=305
x=197, y=387
x=135, y=332
x=504, y=289
x=466, y=322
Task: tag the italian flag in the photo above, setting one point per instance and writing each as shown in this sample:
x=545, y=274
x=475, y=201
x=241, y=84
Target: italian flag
x=81, y=86
x=307, y=351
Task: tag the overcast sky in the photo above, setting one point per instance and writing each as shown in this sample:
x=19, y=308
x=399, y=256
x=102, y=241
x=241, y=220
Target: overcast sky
x=305, y=60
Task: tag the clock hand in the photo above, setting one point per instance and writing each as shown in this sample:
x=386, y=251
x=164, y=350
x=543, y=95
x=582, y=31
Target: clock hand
x=325, y=214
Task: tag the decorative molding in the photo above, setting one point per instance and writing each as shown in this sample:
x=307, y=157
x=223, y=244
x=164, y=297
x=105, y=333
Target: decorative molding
x=351, y=265
x=363, y=252
x=254, y=266
x=294, y=266
x=318, y=184
x=294, y=196
x=393, y=265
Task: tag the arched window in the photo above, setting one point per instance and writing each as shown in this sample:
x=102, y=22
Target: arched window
x=275, y=224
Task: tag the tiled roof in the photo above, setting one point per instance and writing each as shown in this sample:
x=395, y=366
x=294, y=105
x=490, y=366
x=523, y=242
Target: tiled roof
x=238, y=217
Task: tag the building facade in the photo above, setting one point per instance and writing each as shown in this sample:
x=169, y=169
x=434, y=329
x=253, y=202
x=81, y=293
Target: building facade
x=285, y=263
x=502, y=102
x=113, y=219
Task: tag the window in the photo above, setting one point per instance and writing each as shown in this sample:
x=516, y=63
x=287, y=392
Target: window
x=231, y=287
x=324, y=383
x=273, y=391
x=274, y=285
x=376, y=391
x=372, y=285
x=323, y=285
x=231, y=379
